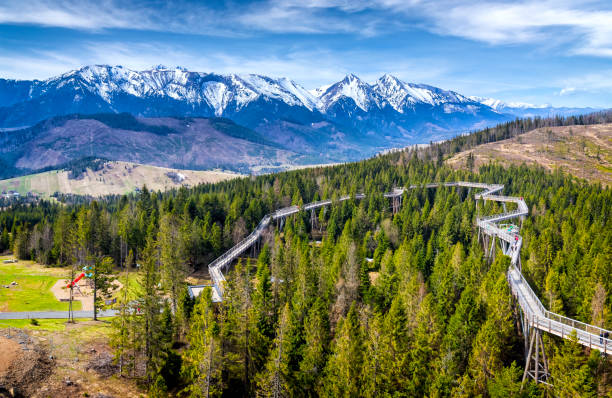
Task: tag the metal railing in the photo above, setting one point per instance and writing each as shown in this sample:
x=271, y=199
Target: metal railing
x=548, y=321
x=214, y=268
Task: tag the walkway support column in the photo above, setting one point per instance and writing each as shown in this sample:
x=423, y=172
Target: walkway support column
x=396, y=204
x=536, y=364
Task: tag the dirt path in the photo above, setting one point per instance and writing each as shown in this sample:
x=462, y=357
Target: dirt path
x=9, y=351
x=24, y=364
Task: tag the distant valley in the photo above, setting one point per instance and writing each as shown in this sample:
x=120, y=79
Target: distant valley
x=185, y=143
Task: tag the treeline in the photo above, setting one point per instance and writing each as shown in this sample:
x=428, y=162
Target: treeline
x=511, y=129
x=77, y=168
x=384, y=305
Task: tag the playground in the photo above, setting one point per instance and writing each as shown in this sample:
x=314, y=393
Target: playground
x=52, y=357
x=28, y=286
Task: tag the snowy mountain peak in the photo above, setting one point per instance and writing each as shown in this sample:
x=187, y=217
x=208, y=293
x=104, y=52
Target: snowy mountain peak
x=395, y=92
x=523, y=109
x=236, y=91
x=351, y=87
x=388, y=90
x=389, y=79
x=351, y=77
x=401, y=95
x=500, y=105
x=164, y=67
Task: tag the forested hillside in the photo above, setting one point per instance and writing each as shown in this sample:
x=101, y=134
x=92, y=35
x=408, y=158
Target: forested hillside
x=384, y=305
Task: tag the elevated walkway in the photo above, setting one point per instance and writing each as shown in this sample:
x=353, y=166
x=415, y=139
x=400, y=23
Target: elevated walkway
x=535, y=315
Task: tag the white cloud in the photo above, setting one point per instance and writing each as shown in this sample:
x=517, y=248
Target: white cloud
x=600, y=82
x=71, y=14
x=96, y=15
x=585, y=29
x=567, y=90
x=39, y=65
x=582, y=25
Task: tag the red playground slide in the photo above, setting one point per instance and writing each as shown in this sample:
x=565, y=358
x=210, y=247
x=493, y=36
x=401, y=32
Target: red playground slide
x=78, y=278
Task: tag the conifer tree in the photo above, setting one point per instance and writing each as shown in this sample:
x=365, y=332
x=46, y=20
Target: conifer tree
x=120, y=340
x=316, y=347
x=263, y=302
x=394, y=356
x=242, y=340
x=372, y=376
x=202, y=360
x=275, y=380
x=64, y=236
x=102, y=281
x=174, y=269
x=424, y=348
x=150, y=307
x=492, y=341
x=570, y=370
x=343, y=370
x=4, y=240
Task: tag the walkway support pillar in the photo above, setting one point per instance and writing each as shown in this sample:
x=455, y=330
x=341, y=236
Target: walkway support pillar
x=313, y=219
x=536, y=364
x=396, y=204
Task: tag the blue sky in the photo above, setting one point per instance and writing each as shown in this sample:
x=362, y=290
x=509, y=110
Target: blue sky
x=536, y=51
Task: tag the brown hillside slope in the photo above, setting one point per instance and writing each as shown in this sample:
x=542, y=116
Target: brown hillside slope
x=113, y=178
x=584, y=151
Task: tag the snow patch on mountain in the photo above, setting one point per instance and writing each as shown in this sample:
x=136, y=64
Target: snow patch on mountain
x=217, y=96
x=319, y=91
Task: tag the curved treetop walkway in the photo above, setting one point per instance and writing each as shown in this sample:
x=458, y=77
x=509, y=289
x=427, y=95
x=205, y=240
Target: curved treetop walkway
x=535, y=315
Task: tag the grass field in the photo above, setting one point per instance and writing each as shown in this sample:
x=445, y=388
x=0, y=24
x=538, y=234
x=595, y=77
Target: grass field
x=133, y=286
x=80, y=329
x=33, y=289
x=113, y=178
x=50, y=325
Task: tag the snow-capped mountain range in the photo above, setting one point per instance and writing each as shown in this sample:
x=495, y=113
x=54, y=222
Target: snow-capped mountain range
x=173, y=117
x=386, y=91
x=523, y=109
x=388, y=107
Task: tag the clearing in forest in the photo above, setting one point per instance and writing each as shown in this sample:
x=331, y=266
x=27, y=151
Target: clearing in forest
x=583, y=151
x=32, y=288
x=113, y=178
